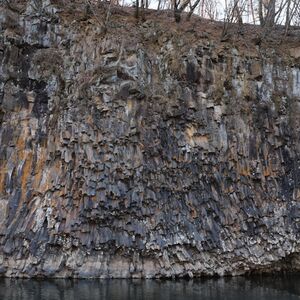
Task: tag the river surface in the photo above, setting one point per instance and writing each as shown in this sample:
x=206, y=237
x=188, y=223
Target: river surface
x=238, y=288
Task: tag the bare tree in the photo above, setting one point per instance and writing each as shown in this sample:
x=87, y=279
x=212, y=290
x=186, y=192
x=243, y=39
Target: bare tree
x=266, y=13
x=237, y=11
x=233, y=14
x=270, y=16
x=292, y=10
x=179, y=7
x=192, y=8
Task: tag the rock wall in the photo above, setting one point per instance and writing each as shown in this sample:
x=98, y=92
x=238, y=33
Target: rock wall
x=141, y=151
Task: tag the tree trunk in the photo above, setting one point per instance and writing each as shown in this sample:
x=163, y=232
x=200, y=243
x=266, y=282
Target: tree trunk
x=137, y=8
x=177, y=14
x=158, y=4
x=178, y=10
x=271, y=13
x=237, y=12
x=252, y=11
x=287, y=17
x=192, y=9
x=260, y=13
x=143, y=9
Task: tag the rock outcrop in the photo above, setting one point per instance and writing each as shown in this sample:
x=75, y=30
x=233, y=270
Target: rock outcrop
x=141, y=151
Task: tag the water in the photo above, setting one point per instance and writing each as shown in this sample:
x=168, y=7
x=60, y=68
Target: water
x=271, y=288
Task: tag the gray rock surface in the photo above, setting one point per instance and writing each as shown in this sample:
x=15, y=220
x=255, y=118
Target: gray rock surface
x=139, y=151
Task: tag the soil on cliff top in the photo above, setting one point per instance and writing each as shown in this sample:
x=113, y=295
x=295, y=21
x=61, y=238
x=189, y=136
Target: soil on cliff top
x=246, y=38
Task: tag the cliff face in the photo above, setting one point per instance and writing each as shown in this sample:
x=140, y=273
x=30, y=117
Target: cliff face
x=139, y=151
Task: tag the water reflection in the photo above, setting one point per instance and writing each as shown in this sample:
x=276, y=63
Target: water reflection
x=275, y=288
